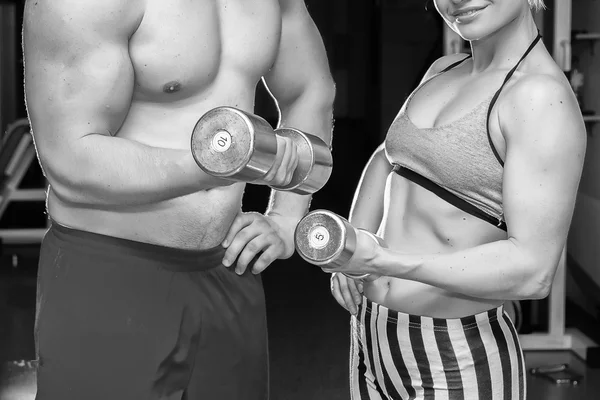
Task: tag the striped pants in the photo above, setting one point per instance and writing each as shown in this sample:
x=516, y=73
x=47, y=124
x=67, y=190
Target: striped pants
x=400, y=356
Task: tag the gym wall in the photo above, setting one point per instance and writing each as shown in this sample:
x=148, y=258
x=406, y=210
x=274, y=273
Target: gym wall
x=584, y=236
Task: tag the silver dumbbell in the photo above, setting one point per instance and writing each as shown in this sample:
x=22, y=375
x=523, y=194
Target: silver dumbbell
x=231, y=143
x=315, y=162
x=328, y=240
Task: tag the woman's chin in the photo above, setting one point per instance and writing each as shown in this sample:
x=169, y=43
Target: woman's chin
x=471, y=33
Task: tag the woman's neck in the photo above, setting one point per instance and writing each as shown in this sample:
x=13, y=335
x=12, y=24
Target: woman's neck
x=504, y=47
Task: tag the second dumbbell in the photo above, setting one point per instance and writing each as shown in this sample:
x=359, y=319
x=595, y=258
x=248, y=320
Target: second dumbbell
x=328, y=240
x=231, y=143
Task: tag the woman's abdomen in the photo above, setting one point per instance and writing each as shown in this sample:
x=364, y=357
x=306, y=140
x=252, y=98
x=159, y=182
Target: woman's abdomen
x=419, y=222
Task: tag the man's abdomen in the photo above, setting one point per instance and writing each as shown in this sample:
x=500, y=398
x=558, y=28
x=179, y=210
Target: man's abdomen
x=197, y=221
x=188, y=58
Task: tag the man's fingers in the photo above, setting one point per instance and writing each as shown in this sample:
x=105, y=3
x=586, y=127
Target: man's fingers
x=267, y=257
x=293, y=164
x=295, y=160
x=240, y=222
x=278, y=161
x=250, y=251
x=283, y=174
x=238, y=243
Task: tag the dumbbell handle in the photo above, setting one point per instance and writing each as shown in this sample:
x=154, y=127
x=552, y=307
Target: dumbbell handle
x=366, y=277
x=349, y=251
x=315, y=162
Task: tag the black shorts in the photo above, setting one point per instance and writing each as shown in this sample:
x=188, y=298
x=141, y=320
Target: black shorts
x=124, y=320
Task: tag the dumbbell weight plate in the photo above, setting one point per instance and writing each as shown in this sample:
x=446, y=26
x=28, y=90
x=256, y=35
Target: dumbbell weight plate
x=227, y=142
x=324, y=238
x=315, y=162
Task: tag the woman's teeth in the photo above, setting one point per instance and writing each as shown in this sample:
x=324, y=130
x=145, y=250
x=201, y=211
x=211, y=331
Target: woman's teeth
x=464, y=14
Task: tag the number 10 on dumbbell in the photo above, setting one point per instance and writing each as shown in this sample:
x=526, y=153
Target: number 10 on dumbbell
x=231, y=143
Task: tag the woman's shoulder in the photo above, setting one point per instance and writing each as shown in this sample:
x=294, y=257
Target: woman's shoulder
x=544, y=105
x=540, y=88
x=539, y=77
x=444, y=62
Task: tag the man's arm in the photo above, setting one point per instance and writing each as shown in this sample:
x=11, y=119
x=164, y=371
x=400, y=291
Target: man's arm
x=301, y=83
x=79, y=83
x=546, y=141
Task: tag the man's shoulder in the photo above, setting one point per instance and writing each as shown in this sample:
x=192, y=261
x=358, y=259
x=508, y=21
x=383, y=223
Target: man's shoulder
x=291, y=5
x=62, y=15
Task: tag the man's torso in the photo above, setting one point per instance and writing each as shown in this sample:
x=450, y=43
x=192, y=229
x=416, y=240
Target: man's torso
x=188, y=57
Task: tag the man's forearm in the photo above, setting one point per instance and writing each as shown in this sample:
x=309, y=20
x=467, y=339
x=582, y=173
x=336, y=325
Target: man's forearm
x=104, y=170
x=288, y=204
x=311, y=113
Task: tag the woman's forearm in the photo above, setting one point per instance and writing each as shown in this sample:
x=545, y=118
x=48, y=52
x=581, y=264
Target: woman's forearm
x=498, y=270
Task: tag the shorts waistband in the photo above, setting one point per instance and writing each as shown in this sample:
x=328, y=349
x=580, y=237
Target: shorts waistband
x=171, y=258
x=437, y=324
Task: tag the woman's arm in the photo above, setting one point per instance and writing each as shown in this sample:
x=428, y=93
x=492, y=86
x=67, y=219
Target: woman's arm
x=367, y=206
x=366, y=213
x=545, y=137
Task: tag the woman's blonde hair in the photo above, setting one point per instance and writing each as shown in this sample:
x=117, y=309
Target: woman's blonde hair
x=537, y=5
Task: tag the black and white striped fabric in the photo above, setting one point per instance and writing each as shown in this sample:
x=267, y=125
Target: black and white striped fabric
x=400, y=356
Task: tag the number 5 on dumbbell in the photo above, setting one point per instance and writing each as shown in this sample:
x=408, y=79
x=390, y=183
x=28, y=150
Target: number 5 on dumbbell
x=328, y=240
x=231, y=143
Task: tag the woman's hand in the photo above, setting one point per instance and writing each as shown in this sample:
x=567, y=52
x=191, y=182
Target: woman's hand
x=363, y=260
x=346, y=291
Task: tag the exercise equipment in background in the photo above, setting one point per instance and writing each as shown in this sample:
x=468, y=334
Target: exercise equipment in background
x=17, y=152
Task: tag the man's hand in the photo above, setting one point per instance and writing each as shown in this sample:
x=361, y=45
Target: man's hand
x=253, y=235
x=284, y=165
x=346, y=291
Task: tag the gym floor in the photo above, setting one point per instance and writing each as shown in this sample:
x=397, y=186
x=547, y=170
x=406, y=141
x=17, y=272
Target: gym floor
x=308, y=337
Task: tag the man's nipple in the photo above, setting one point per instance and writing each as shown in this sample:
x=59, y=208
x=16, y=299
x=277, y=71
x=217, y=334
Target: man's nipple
x=172, y=87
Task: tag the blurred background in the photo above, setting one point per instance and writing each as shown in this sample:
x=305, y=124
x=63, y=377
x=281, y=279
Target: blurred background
x=378, y=51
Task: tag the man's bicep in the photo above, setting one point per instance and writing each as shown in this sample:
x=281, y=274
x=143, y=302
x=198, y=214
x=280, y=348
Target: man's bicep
x=78, y=75
x=301, y=65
